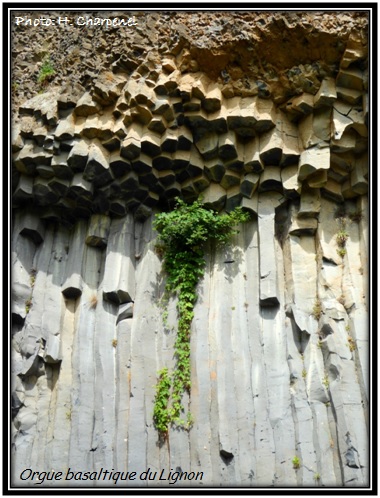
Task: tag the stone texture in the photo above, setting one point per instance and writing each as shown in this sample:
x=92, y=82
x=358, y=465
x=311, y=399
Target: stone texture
x=73, y=284
x=33, y=228
x=228, y=295
x=98, y=230
x=270, y=179
x=215, y=197
x=289, y=179
x=119, y=280
x=125, y=311
x=43, y=105
x=29, y=156
x=359, y=175
x=86, y=106
x=313, y=160
x=271, y=115
x=271, y=145
x=303, y=226
x=326, y=94
x=249, y=184
x=24, y=189
x=97, y=167
x=252, y=159
x=350, y=78
x=269, y=292
x=310, y=202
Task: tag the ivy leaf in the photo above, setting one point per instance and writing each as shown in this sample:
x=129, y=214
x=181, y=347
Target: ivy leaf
x=183, y=233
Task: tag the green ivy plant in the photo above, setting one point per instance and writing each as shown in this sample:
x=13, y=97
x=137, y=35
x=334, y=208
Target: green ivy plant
x=161, y=414
x=183, y=233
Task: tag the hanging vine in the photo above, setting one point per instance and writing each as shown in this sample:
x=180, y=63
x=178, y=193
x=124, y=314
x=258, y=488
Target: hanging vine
x=183, y=234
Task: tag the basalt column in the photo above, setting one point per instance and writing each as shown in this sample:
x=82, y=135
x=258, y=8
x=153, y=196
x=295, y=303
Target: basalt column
x=279, y=345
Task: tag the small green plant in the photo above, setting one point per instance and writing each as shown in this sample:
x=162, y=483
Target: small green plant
x=296, y=462
x=351, y=344
x=342, y=236
x=342, y=251
x=114, y=343
x=183, y=233
x=304, y=373
x=317, y=476
x=319, y=344
x=46, y=72
x=348, y=328
x=186, y=424
x=28, y=305
x=325, y=381
x=32, y=277
x=189, y=420
x=317, y=309
x=327, y=404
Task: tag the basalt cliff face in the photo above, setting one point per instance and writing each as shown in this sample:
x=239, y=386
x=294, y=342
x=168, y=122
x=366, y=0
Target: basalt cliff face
x=264, y=110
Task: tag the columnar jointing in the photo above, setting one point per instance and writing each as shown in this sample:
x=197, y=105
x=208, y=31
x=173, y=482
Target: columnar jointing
x=279, y=344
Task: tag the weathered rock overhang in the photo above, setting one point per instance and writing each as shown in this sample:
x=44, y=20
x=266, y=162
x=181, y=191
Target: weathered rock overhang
x=141, y=136
x=280, y=337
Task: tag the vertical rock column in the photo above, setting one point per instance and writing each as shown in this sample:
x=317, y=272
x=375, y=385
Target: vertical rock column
x=28, y=234
x=119, y=274
x=73, y=283
x=269, y=292
x=145, y=359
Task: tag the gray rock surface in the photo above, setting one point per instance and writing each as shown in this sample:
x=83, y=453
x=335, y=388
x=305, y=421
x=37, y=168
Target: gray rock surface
x=280, y=336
